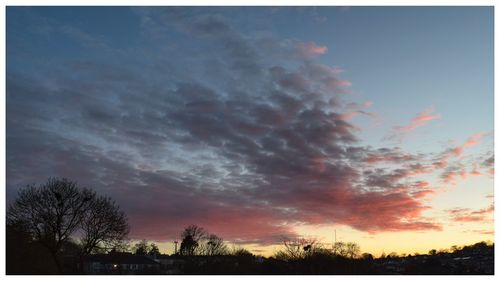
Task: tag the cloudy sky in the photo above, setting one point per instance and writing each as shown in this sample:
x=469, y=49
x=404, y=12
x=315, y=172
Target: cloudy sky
x=262, y=123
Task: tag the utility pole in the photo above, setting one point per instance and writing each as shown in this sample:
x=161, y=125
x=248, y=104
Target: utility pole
x=335, y=241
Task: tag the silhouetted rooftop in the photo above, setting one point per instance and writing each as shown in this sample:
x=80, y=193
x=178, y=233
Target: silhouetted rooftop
x=120, y=258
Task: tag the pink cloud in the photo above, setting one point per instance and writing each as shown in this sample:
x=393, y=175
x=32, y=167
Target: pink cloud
x=468, y=218
x=355, y=109
x=310, y=49
x=458, y=151
x=343, y=83
x=468, y=215
x=381, y=215
x=418, y=169
x=488, y=210
x=421, y=184
x=442, y=163
x=418, y=121
x=451, y=175
x=422, y=193
x=373, y=212
x=472, y=141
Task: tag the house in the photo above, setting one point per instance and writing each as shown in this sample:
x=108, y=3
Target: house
x=120, y=263
x=173, y=264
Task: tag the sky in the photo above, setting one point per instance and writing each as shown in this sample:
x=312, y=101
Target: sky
x=262, y=124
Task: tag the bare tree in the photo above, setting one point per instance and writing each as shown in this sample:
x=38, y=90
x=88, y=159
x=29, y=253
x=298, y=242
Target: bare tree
x=51, y=212
x=213, y=245
x=353, y=250
x=346, y=249
x=296, y=249
x=239, y=251
x=191, y=238
x=340, y=249
x=104, y=226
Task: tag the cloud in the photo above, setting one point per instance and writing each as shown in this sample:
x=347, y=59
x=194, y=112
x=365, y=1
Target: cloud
x=309, y=50
x=394, y=155
x=468, y=215
x=458, y=151
x=489, y=165
x=457, y=168
x=489, y=162
x=451, y=173
x=472, y=141
x=84, y=38
x=485, y=232
x=354, y=109
x=419, y=120
x=226, y=136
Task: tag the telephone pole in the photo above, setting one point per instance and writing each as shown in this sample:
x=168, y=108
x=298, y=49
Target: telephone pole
x=335, y=241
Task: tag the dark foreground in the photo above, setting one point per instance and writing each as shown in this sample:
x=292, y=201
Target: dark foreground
x=476, y=259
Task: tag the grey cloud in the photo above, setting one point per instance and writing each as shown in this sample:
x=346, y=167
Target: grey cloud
x=260, y=146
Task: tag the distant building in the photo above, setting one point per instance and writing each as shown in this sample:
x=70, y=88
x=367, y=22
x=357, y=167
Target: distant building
x=120, y=263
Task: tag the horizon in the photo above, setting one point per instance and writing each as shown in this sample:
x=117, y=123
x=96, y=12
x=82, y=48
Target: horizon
x=130, y=250
x=258, y=123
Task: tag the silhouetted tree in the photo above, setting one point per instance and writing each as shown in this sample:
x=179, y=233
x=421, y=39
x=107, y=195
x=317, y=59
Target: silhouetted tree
x=367, y=256
x=454, y=248
x=240, y=252
x=213, y=245
x=392, y=255
x=191, y=238
x=141, y=248
x=352, y=250
x=296, y=249
x=432, y=252
x=153, y=250
x=51, y=213
x=104, y=226
x=188, y=246
x=340, y=249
